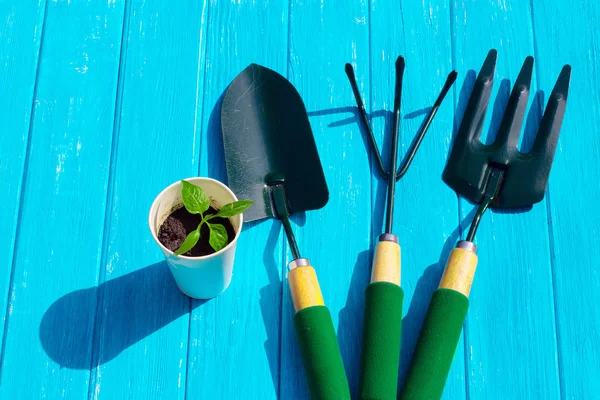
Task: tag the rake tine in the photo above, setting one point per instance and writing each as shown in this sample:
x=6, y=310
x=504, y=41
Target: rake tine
x=510, y=127
x=547, y=136
x=389, y=217
x=397, y=99
x=472, y=122
x=364, y=118
x=421, y=134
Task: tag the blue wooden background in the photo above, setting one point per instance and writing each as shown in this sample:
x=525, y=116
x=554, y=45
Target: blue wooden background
x=106, y=102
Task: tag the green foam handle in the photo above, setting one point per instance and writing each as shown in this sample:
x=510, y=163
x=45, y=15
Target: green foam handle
x=382, y=330
x=321, y=355
x=439, y=336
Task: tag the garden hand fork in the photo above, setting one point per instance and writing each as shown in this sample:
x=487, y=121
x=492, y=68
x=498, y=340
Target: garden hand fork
x=497, y=176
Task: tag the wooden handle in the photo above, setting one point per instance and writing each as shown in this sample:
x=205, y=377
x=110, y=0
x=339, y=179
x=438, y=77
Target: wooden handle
x=304, y=287
x=386, y=264
x=460, y=271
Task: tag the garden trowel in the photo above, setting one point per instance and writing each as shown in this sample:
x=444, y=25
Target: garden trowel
x=271, y=158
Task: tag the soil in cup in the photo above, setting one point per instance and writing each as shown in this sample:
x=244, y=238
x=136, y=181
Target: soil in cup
x=180, y=223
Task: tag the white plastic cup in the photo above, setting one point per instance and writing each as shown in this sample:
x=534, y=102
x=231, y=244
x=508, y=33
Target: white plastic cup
x=198, y=277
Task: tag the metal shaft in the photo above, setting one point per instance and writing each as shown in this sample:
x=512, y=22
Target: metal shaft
x=389, y=218
x=282, y=211
x=491, y=192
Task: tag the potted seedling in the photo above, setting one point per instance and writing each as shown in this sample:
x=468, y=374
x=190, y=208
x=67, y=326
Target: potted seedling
x=196, y=222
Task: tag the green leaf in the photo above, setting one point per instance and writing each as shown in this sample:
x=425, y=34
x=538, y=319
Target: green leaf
x=231, y=209
x=189, y=242
x=218, y=236
x=194, y=198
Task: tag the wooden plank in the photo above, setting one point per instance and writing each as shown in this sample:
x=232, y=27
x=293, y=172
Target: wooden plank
x=234, y=338
x=572, y=189
x=509, y=333
x=316, y=67
x=48, y=348
x=426, y=224
x=140, y=347
x=20, y=38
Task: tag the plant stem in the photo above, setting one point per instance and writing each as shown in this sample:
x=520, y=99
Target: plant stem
x=202, y=221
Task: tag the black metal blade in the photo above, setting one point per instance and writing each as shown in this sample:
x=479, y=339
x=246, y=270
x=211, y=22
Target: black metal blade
x=268, y=141
x=525, y=175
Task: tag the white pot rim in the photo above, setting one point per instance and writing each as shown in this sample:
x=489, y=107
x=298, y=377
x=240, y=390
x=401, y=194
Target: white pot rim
x=194, y=178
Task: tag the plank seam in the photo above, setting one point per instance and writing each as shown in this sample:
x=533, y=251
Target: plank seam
x=203, y=82
x=282, y=241
x=371, y=231
x=459, y=211
x=402, y=22
x=550, y=227
x=370, y=155
x=289, y=39
x=21, y=194
x=109, y=195
x=201, y=108
x=372, y=181
x=283, y=255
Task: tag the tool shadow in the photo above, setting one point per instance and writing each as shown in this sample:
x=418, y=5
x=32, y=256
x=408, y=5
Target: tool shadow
x=214, y=144
x=532, y=122
x=426, y=285
x=270, y=301
x=90, y=327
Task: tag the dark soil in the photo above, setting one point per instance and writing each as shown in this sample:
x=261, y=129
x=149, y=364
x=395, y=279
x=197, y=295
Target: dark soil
x=180, y=223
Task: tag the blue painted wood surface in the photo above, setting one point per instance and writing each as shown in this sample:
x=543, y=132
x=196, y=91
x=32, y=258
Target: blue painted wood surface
x=106, y=103
x=511, y=303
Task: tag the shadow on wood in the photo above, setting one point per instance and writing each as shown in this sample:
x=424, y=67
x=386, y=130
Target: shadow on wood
x=270, y=305
x=497, y=111
x=418, y=113
x=533, y=122
x=463, y=99
x=350, y=319
x=426, y=285
x=214, y=144
x=148, y=300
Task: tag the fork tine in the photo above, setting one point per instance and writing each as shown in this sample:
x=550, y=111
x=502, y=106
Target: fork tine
x=510, y=127
x=472, y=121
x=547, y=136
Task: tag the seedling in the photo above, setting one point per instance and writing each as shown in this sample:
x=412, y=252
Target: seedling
x=197, y=202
